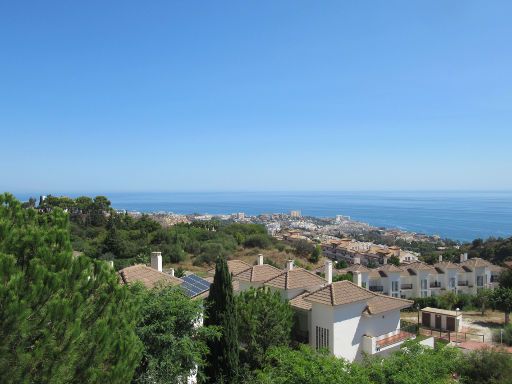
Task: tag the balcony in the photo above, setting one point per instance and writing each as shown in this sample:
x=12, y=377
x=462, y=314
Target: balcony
x=435, y=284
x=462, y=283
x=376, y=288
x=406, y=286
x=375, y=344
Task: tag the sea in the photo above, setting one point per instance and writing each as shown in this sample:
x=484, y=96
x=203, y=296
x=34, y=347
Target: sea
x=461, y=216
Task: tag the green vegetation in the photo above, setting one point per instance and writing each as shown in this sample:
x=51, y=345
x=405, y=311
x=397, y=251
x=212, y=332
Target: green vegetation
x=220, y=310
x=264, y=321
x=101, y=233
x=173, y=345
x=496, y=250
x=63, y=319
x=486, y=367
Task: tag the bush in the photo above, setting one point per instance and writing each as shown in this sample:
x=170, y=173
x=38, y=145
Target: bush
x=485, y=367
x=257, y=241
x=506, y=336
x=303, y=248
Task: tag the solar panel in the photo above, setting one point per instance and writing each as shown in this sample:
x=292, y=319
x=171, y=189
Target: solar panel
x=194, y=285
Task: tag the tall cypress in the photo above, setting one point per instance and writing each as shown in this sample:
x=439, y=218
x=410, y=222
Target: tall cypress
x=222, y=366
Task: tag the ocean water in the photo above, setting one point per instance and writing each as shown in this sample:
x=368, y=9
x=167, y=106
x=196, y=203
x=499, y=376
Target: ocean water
x=461, y=216
x=457, y=215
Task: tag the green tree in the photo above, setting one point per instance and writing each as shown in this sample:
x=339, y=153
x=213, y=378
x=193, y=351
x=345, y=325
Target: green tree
x=315, y=255
x=413, y=364
x=502, y=299
x=223, y=360
x=395, y=260
x=483, y=299
x=174, y=344
x=448, y=300
x=264, y=321
x=283, y=365
x=63, y=319
x=485, y=367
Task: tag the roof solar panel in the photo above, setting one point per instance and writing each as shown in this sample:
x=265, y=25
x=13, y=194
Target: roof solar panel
x=194, y=285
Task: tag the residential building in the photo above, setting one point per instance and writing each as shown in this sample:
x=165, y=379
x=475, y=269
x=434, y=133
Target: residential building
x=419, y=279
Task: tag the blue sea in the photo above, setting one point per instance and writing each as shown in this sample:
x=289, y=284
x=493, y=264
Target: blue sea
x=461, y=216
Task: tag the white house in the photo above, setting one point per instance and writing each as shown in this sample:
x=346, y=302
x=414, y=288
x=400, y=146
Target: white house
x=348, y=320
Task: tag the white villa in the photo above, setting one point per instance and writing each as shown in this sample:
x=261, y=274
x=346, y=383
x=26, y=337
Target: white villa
x=342, y=317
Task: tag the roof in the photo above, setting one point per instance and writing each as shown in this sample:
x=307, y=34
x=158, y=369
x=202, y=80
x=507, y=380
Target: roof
x=346, y=292
x=355, y=268
x=419, y=266
x=442, y=311
x=389, y=268
x=476, y=262
x=298, y=302
x=234, y=266
x=508, y=264
x=296, y=278
x=382, y=303
x=447, y=265
x=258, y=273
x=148, y=276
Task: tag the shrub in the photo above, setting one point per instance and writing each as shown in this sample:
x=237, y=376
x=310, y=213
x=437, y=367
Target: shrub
x=257, y=241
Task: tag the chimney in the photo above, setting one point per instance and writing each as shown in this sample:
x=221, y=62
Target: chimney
x=260, y=259
x=357, y=260
x=111, y=264
x=171, y=272
x=440, y=258
x=357, y=279
x=384, y=260
x=156, y=261
x=465, y=257
x=328, y=271
x=289, y=265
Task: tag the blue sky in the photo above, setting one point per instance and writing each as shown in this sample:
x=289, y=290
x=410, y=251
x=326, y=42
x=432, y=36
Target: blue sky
x=117, y=96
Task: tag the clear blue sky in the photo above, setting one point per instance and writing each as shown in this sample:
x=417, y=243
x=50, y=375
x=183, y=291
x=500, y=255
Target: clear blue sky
x=99, y=96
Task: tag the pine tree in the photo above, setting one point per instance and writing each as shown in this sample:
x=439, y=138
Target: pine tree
x=222, y=365
x=63, y=319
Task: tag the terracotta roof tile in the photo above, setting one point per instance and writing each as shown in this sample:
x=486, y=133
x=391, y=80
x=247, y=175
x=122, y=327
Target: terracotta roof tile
x=296, y=278
x=234, y=266
x=447, y=265
x=420, y=266
x=299, y=302
x=146, y=275
x=476, y=262
x=346, y=292
x=258, y=273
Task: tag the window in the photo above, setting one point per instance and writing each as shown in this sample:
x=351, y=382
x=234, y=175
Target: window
x=394, y=286
x=364, y=284
x=480, y=281
x=322, y=338
x=452, y=282
x=424, y=284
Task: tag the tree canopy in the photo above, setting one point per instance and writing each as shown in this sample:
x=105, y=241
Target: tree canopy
x=63, y=319
x=264, y=321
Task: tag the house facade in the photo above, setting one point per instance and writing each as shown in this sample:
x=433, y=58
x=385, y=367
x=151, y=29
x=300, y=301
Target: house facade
x=419, y=279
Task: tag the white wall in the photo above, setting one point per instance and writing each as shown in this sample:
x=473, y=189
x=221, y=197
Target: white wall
x=347, y=327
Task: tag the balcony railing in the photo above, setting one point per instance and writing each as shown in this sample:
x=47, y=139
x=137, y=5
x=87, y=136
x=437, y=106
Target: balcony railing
x=462, y=283
x=376, y=288
x=406, y=286
x=435, y=284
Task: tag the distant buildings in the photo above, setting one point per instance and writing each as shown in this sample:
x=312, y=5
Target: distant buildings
x=295, y=214
x=365, y=253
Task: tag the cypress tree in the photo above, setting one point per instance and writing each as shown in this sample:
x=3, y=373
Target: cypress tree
x=223, y=360
x=63, y=319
